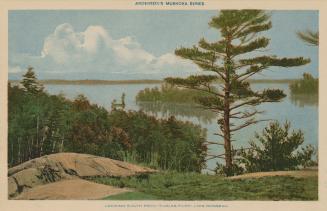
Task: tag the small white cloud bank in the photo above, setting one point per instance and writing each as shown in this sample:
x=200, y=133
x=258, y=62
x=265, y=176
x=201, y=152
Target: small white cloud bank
x=94, y=53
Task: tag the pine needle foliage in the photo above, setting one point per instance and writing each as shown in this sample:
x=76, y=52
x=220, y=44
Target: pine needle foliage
x=310, y=37
x=277, y=149
x=233, y=59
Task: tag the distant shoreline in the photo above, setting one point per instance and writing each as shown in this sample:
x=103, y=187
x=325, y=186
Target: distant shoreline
x=143, y=81
x=93, y=82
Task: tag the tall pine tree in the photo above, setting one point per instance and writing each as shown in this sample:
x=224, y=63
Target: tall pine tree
x=232, y=61
x=30, y=82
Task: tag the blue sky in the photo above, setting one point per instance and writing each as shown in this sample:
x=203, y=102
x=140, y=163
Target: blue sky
x=117, y=45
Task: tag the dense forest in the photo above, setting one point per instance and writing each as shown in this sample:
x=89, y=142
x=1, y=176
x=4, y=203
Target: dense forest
x=41, y=124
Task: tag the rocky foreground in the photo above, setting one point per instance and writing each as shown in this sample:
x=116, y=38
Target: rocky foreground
x=60, y=176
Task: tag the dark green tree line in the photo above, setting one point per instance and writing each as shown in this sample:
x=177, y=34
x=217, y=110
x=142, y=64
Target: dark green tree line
x=40, y=124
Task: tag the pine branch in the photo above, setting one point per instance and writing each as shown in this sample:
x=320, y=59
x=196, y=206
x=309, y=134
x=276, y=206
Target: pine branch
x=255, y=20
x=217, y=47
x=249, y=102
x=222, y=156
x=268, y=61
x=195, y=83
x=256, y=44
x=310, y=37
x=214, y=68
x=218, y=134
x=210, y=102
x=195, y=54
x=254, y=29
x=246, y=114
x=258, y=100
x=248, y=123
x=213, y=143
x=250, y=72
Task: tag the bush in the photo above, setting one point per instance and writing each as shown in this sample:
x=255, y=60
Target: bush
x=162, y=143
x=277, y=150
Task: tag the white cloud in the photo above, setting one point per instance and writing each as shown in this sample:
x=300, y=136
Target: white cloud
x=94, y=50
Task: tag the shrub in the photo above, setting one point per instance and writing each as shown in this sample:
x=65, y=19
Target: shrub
x=276, y=149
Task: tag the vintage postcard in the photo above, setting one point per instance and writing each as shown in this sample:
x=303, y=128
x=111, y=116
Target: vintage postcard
x=116, y=105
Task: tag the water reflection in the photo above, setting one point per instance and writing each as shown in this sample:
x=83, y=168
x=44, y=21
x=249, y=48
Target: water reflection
x=300, y=110
x=302, y=100
x=206, y=116
x=183, y=110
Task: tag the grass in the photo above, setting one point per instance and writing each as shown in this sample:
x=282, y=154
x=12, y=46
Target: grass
x=193, y=186
x=132, y=196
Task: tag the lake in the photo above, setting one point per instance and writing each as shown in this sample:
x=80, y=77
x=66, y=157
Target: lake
x=300, y=110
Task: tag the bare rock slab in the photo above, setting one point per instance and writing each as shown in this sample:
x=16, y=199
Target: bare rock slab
x=76, y=189
x=62, y=166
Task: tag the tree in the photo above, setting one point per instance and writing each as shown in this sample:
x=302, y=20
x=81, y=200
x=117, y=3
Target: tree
x=307, y=85
x=232, y=60
x=30, y=82
x=310, y=37
x=278, y=150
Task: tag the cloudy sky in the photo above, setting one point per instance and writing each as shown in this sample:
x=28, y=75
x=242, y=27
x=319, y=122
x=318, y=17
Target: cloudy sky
x=117, y=45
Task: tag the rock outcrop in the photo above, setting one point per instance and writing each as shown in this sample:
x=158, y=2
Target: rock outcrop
x=77, y=189
x=62, y=166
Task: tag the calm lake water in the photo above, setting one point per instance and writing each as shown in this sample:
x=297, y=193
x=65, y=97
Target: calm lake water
x=301, y=110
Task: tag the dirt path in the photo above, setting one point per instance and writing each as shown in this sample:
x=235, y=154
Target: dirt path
x=73, y=189
x=296, y=174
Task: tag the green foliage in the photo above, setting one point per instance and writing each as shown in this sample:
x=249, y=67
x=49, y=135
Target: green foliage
x=230, y=61
x=309, y=37
x=222, y=170
x=44, y=124
x=41, y=124
x=273, y=94
x=30, y=82
x=278, y=150
x=307, y=85
x=192, y=186
x=132, y=196
x=165, y=144
x=168, y=93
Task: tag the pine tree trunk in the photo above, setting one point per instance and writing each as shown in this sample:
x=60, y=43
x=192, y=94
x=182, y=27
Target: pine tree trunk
x=227, y=140
x=227, y=135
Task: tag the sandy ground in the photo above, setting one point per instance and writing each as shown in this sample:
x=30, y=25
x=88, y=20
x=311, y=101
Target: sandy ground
x=70, y=189
x=296, y=174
